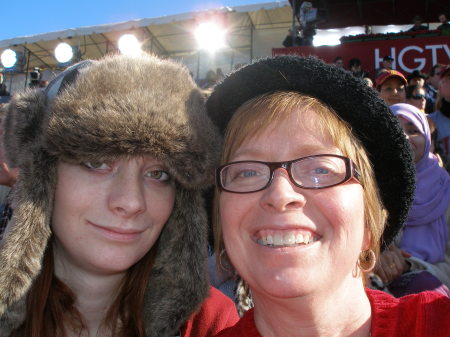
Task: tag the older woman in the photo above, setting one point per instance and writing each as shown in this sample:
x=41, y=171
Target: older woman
x=306, y=170
x=108, y=236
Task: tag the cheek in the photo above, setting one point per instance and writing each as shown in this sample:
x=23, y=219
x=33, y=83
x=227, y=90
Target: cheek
x=160, y=205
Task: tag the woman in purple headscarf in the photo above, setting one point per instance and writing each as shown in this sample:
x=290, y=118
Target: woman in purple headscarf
x=420, y=262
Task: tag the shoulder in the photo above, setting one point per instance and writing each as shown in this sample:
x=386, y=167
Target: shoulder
x=216, y=313
x=422, y=314
x=244, y=328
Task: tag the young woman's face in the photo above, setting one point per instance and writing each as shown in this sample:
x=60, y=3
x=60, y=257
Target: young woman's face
x=415, y=138
x=393, y=91
x=108, y=215
x=332, y=217
x=418, y=99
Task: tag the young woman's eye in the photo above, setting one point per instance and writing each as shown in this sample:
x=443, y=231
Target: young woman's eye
x=158, y=175
x=95, y=165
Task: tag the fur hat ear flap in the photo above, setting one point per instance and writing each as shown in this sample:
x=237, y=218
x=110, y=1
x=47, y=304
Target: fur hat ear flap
x=25, y=241
x=23, y=126
x=179, y=273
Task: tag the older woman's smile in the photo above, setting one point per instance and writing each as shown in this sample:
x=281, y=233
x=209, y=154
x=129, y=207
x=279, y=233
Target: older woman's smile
x=285, y=237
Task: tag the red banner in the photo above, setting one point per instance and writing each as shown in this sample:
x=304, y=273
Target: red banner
x=409, y=54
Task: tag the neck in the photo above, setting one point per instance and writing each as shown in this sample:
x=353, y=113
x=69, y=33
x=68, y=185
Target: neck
x=343, y=312
x=94, y=293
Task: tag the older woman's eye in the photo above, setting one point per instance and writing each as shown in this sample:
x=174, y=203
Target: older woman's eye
x=95, y=165
x=158, y=175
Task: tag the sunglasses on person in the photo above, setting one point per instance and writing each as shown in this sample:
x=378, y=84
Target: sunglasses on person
x=420, y=96
x=311, y=172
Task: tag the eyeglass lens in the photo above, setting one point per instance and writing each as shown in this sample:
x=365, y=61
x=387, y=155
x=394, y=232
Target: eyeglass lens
x=307, y=172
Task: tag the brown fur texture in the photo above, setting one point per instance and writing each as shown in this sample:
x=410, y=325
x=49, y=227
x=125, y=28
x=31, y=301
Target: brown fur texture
x=117, y=106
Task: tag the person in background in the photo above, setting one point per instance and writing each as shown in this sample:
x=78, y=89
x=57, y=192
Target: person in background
x=109, y=231
x=386, y=64
x=432, y=86
x=338, y=62
x=418, y=260
x=416, y=96
x=220, y=75
x=391, y=85
x=354, y=65
x=418, y=26
x=210, y=80
x=316, y=177
x=443, y=19
x=441, y=117
x=417, y=78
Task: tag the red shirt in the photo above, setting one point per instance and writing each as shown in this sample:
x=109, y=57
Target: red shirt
x=216, y=313
x=426, y=314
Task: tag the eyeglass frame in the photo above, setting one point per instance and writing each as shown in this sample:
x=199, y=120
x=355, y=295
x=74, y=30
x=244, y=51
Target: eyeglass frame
x=352, y=171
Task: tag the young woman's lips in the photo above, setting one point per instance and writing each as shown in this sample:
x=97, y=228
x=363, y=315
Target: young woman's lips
x=116, y=234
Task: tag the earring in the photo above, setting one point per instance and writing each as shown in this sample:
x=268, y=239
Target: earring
x=226, y=265
x=367, y=260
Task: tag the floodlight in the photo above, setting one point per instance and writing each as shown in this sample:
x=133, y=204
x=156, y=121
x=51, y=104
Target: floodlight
x=63, y=52
x=129, y=45
x=210, y=36
x=9, y=58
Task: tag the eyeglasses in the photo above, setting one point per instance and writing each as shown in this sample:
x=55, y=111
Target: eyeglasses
x=420, y=96
x=311, y=172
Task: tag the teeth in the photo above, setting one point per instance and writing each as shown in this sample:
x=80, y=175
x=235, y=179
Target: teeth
x=290, y=239
x=278, y=240
x=306, y=239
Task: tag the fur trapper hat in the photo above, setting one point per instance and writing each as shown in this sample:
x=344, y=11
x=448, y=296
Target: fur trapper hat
x=369, y=117
x=117, y=106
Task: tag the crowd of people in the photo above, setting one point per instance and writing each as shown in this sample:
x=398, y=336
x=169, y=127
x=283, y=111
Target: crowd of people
x=317, y=204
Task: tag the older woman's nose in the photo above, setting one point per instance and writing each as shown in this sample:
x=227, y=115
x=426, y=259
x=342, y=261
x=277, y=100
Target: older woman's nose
x=282, y=195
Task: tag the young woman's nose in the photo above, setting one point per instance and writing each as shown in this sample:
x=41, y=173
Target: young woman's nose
x=127, y=194
x=282, y=195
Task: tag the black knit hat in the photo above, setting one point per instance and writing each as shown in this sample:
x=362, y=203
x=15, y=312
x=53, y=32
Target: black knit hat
x=370, y=119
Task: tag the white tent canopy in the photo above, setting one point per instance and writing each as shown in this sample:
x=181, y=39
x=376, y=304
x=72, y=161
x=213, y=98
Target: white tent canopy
x=253, y=30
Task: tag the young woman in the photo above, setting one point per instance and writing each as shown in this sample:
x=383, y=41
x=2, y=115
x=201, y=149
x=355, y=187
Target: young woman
x=314, y=178
x=108, y=235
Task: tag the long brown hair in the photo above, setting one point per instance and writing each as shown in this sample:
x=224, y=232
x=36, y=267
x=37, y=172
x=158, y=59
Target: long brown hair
x=51, y=307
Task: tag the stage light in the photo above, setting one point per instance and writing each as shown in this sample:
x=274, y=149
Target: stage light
x=63, y=53
x=129, y=45
x=9, y=58
x=210, y=36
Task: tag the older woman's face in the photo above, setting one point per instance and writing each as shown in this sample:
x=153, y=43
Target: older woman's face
x=107, y=216
x=332, y=218
x=393, y=91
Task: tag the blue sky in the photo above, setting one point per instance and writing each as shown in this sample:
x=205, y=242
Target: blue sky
x=29, y=17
